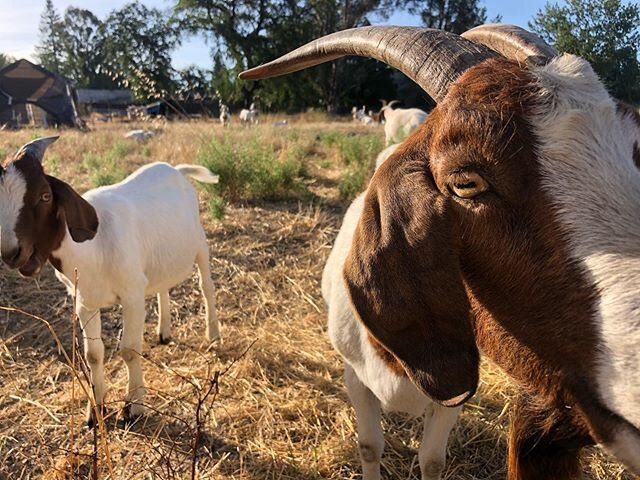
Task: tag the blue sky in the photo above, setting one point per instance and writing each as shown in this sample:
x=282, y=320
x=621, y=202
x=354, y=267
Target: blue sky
x=20, y=19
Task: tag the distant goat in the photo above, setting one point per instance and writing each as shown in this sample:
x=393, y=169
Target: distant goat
x=129, y=240
x=250, y=116
x=361, y=116
x=225, y=115
x=372, y=378
x=140, y=135
x=400, y=122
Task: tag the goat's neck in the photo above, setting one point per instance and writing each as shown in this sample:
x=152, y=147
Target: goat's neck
x=71, y=255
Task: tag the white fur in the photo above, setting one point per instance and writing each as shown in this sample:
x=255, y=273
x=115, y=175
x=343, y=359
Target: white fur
x=370, y=382
x=225, y=115
x=250, y=116
x=589, y=175
x=197, y=172
x=139, y=135
x=148, y=239
x=400, y=122
x=362, y=117
x=12, y=190
x=386, y=153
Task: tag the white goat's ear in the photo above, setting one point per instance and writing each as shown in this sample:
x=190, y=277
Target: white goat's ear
x=37, y=147
x=81, y=217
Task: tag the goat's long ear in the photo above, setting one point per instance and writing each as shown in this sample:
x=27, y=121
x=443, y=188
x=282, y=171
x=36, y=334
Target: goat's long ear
x=404, y=279
x=81, y=217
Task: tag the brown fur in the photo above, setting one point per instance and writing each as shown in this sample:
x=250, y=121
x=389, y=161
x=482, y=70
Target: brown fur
x=432, y=275
x=41, y=225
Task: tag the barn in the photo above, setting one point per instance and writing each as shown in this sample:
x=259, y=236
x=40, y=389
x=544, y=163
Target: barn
x=33, y=95
x=106, y=102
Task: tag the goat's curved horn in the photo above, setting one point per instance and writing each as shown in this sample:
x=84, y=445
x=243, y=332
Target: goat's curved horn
x=37, y=147
x=431, y=58
x=512, y=42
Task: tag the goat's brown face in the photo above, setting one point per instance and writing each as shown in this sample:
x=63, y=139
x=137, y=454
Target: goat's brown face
x=35, y=211
x=508, y=223
x=459, y=247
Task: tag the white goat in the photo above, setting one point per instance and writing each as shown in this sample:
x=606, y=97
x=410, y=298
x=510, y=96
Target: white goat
x=139, y=135
x=400, y=122
x=225, y=115
x=250, y=116
x=370, y=380
x=361, y=116
x=127, y=241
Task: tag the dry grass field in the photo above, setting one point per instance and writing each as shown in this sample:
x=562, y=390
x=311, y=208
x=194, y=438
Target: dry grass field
x=269, y=403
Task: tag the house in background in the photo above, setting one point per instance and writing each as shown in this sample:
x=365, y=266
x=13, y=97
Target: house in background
x=33, y=95
x=105, y=102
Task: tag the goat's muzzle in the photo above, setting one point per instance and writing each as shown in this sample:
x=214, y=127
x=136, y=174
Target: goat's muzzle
x=26, y=261
x=12, y=257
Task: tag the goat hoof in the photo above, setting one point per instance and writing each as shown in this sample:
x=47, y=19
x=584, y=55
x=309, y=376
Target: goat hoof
x=132, y=412
x=432, y=470
x=92, y=421
x=164, y=340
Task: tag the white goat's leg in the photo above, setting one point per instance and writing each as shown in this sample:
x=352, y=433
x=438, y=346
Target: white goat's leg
x=368, y=416
x=94, y=355
x=164, y=317
x=133, y=314
x=208, y=292
x=438, y=422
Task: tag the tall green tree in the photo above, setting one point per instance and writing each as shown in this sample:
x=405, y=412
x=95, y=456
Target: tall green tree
x=49, y=50
x=456, y=16
x=604, y=32
x=138, y=42
x=250, y=32
x=83, y=55
x=194, y=83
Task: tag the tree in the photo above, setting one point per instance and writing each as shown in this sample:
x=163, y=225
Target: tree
x=49, y=51
x=6, y=60
x=82, y=43
x=138, y=42
x=250, y=32
x=194, y=83
x=604, y=32
x=456, y=16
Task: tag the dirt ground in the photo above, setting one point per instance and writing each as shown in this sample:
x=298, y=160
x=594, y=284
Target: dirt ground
x=269, y=402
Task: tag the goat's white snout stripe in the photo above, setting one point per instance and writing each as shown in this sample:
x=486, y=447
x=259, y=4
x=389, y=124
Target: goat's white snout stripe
x=12, y=190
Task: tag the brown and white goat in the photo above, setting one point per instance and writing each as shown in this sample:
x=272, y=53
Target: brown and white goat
x=507, y=224
x=126, y=241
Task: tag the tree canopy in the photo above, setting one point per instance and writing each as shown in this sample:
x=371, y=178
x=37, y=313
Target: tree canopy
x=456, y=16
x=132, y=46
x=604, y=32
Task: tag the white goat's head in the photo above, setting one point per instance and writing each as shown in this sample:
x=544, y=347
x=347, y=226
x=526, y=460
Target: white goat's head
x=36, y=210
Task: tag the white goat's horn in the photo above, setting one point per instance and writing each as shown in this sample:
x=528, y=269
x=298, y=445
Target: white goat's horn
x=512, y=42
x=431, y=58
x=37, y=147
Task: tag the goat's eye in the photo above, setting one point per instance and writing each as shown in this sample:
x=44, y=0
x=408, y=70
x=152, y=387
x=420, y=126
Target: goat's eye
x=46, y=197
x=468, y=185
